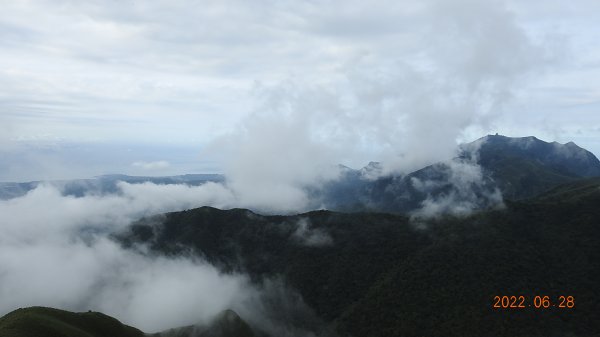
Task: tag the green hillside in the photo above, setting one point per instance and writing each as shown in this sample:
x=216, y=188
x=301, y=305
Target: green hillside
x=48, y=322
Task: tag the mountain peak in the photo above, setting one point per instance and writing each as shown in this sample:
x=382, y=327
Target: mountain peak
x=569, y=158
x=372, y=166
x=372, y=171
x=228, y=316
x=229, y=324
x=571, y=144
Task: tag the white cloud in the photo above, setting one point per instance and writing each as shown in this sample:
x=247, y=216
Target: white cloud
x=152, y=166
x=313, y=237
x=406, y=109
x=173, y=70
x=54, y=251
x=468, y=191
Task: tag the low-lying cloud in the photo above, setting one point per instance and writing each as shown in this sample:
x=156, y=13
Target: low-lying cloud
x=308, y=236
x=464, y=190
x=55, y=251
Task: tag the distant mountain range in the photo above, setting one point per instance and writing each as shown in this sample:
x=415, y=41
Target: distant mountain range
x=103, y=184
x=485, y=172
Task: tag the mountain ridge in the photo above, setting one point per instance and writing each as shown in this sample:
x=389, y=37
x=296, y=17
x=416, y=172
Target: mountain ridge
x=50, y=322
x=484, y=173
x=494, y=167
x=384, y=265
x=385, y=274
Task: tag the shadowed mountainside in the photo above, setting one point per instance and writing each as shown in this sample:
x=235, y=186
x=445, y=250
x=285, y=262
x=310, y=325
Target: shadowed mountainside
x=368, y=274
x=227, y=324
x=381, y=275
x=485, y=171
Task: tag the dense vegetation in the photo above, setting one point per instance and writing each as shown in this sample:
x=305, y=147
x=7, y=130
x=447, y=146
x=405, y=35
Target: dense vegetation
x=547, y=247
x=383, y=275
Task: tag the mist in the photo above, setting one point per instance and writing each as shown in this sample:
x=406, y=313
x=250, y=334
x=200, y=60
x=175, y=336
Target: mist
x=469, y=191
x=55, y=251
x=307, y=236
x=406, y=112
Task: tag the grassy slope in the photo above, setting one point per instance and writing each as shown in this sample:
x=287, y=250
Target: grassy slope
x=48, y=322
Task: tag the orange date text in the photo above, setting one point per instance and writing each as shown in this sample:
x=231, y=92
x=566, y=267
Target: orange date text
x=536, y=302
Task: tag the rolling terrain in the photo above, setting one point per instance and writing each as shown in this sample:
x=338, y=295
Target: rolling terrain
x=381, y=274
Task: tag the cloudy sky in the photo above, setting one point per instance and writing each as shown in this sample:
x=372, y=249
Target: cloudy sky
x=171, y=87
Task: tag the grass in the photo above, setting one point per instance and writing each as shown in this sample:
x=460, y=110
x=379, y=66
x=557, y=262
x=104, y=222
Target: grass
x=49, y=322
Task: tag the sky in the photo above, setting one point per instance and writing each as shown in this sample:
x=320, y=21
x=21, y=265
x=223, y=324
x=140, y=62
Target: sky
x=173, y=87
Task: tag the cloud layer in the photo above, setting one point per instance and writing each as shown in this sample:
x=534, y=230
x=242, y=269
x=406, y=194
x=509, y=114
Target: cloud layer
x=386, y=80
x=152, y=166
x=407, y=111
x=55, y=251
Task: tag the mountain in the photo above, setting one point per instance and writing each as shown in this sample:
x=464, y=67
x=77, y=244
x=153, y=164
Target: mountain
x=565, y=159
x=373, y=274
x=48, y=322
x=9, y=190
x=524, y=167
x=547, y=246
x=378, y=274
x=227, y=324
x=104, y=184
x=484, y=173
x=330, y=258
